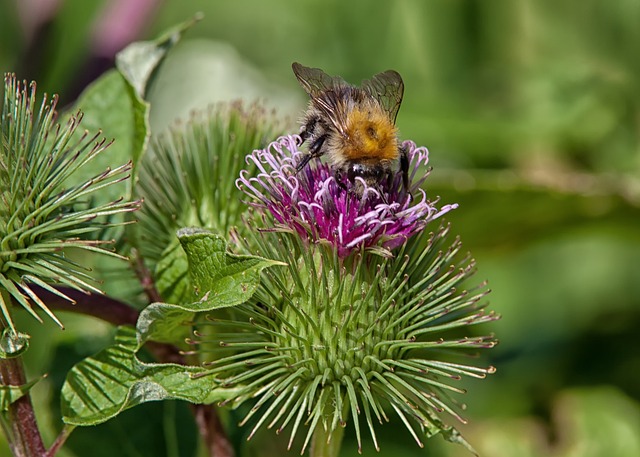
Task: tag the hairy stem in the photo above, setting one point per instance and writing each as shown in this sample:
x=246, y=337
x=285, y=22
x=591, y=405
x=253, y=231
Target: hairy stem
x=19, y=423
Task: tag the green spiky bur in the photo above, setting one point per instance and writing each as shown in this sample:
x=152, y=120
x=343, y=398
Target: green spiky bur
x=187, y=178
x=43, y=210
x=326, y=341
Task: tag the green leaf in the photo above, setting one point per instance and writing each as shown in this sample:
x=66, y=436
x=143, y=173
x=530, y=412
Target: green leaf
x=172, y=275
x=115, y=102
x=100, y=387
x=107, y=105
x=220, y=279
x=138, y=61
x=136, y=64
x=164, y=323
x=9, y=394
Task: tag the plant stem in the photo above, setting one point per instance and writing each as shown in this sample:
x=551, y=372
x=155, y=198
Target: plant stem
x=101, y=306
x=20, y=424
x=60, y=440
x=325, y=443
x=211, y=430
x=146, y=280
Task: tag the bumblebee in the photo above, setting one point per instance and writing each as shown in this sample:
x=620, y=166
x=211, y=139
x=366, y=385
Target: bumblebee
x=354, y=126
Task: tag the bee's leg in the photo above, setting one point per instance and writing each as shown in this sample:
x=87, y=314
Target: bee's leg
x=315, y=150
x=384, y=198
x=303, y=163
x=404, y=168
x=384, y=180
x=338, y=174
x=388, y=178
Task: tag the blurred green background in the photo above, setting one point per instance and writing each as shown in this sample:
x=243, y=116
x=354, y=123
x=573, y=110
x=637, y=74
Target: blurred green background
x=531, y=112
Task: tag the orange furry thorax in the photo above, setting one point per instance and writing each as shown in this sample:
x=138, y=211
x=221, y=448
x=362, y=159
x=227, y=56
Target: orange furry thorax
x=370, y=136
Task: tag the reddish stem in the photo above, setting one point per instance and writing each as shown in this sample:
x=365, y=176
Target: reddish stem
x=101, y=306
x=212, y=431
x=60, y=440
x=24, y=439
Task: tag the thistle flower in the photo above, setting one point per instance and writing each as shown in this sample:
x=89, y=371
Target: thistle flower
x=343, y=333
x=315, y=206
x=43, y=211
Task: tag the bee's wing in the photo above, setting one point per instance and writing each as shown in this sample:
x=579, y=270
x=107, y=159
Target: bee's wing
x=315, y=81
x=386, y=87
